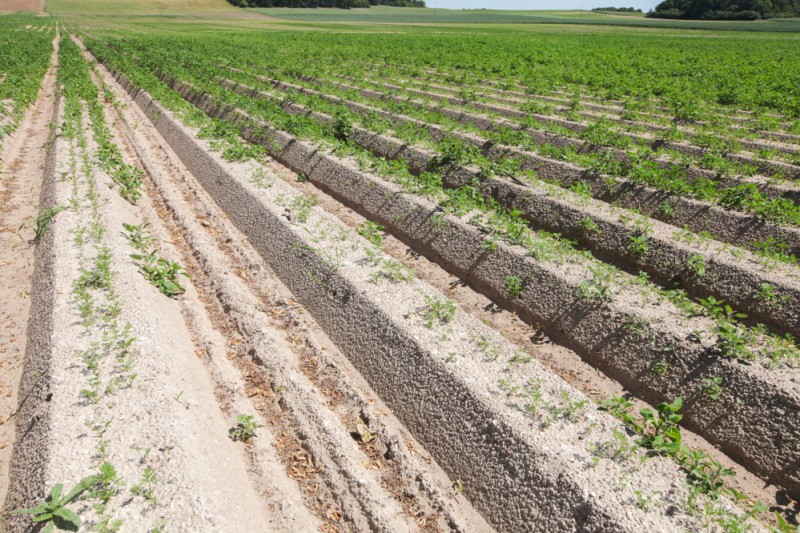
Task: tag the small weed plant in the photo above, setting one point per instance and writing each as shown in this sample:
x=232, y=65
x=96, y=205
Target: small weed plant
x=245, y=428
x=53, y=512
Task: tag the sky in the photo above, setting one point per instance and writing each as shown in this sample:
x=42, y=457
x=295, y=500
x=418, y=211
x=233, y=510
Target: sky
x=645, y=5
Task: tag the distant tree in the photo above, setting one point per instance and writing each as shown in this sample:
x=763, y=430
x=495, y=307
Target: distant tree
x=618, y=9
x=725, y=9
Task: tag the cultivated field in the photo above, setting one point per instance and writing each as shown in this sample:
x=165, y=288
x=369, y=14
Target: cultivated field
x=398, y=278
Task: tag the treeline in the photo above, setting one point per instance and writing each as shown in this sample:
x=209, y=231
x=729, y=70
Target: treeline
x=618, y=9
x=726, y=9
x=341, y=4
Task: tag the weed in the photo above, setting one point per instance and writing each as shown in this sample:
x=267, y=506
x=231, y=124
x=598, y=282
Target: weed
x=514, y=286
x=146, y=486
x=371, y=231
x=245, y=429
x=42, y=222
x=618, y=449
x=733, y=341
x=107, y=483
x=638, y=245
x=711, y=387
x=53, y=513
x=163, y=274
x=636, y=325
x=520, y=357
x=660, y=368
x=766, y=293
x=570, y=409
x=666, y=209
x=587, y=225
x=260, y=178
x=139, y=236
x=301, y=206
x=697, y=265
x=438, y=311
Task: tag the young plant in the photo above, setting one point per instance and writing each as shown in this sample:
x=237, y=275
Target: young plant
x=697, y=265
x=371, y=231
x=43, y=220
x=711, y=387
x=514, y=286
x=53, y=513
x=245, y=429
x=163, y=274
x=139, y=236
x=438, y=311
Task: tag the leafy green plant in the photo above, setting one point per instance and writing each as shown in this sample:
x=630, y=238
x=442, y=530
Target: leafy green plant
x=163, y=274
x=514, y=286
x=733, y=341
x=697, y=265
x=372, y=231
x=53, y=513
x=638, y=245
x=245, y=428
x=438, y=311
x=139, y=236
x=711, y=387
x=42, y=222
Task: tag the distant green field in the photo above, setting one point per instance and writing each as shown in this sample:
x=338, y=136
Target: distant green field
x=396, y=15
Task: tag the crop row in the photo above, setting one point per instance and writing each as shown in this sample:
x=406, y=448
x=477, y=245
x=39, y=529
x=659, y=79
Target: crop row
x=603, y=292
x=662, y=191
x=747, y=125
x=610, y=233
x=323, y=274
x=642, y=129
x=26, y=56
x=653, y=188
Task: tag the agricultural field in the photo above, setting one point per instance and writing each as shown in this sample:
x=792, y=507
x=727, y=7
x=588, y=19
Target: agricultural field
x=405, y=15
x=271, y=275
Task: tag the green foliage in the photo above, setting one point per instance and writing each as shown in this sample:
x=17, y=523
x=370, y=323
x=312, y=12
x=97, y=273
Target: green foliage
x=162, y=273
x=53, y=512
x=514, y=286
x=372, y=231
x=245, y=428
x=42, y=222
x=438, y=311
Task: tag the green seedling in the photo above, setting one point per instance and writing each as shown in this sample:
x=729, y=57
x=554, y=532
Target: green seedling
x=697, y=265
x=42, y=222
x=163, y=274
x=245, y=429
x=301, y=206
x=711, y=387
x=514, y=286
x=438, y=311
x=146, y=486
x=371, y=231
x=659, y=369
x=139, y=236
x=733, y=341
x=53, y=513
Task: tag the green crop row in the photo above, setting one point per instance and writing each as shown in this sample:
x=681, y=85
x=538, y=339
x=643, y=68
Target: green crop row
x=24, y=58
x=498, y=223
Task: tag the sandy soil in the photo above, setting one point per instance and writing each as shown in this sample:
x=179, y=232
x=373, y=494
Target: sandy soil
x=22, y=5
x=23, y=155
